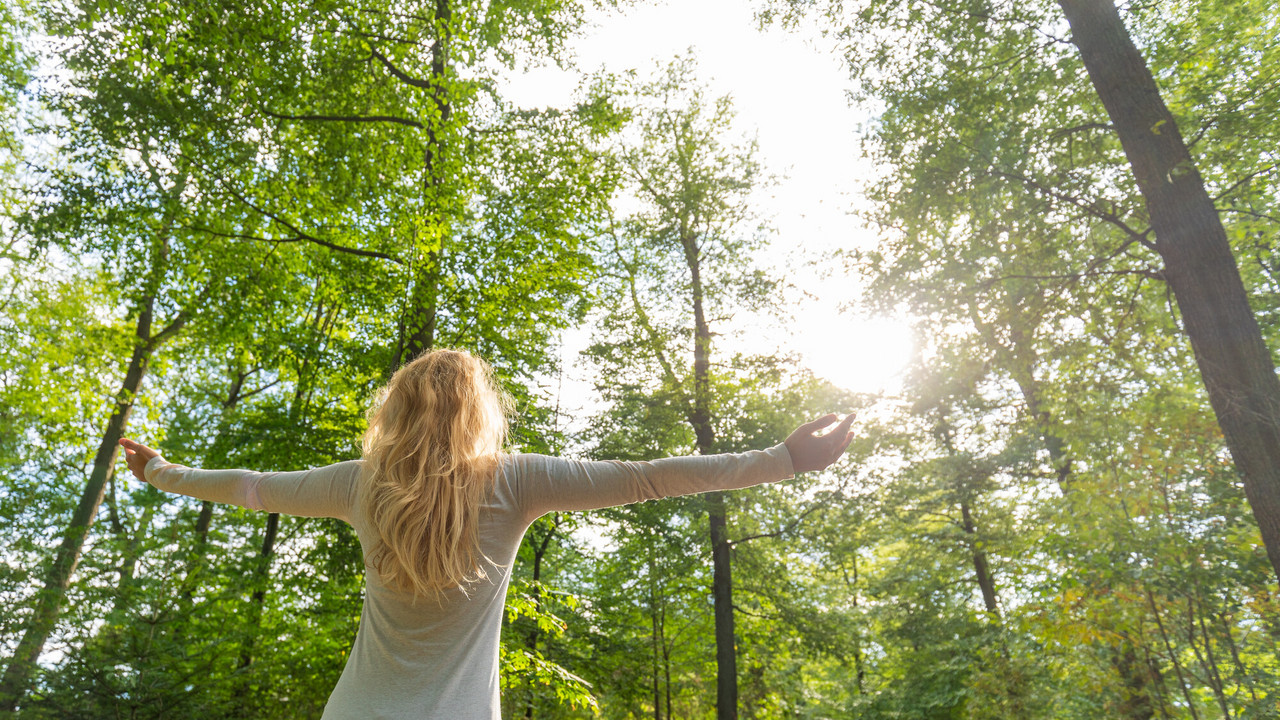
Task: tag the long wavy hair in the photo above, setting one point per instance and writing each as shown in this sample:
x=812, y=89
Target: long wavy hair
x=436, y=433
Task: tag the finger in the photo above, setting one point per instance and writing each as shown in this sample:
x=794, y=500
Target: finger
x=845, y=424
x=816, y=425
x=133, y=446
x=838, y=433
x=845, y=445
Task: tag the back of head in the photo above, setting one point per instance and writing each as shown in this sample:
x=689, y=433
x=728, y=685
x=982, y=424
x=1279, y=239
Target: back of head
x=435, y=435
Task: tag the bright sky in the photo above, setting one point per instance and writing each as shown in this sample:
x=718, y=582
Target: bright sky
x=790, y=89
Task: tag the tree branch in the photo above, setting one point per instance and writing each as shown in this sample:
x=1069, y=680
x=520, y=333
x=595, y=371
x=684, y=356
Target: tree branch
x=299, y=235
x=1088, y=208
x=183, y=317
x=1244, y=180
x=346, y=118
x=643, y=319
x=789, y=527
x=1064, y=132
x=1252, y=214
x=400, y=74
x=1144, y=272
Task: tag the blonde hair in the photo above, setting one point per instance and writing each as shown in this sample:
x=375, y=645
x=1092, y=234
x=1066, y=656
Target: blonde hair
x=435, y=436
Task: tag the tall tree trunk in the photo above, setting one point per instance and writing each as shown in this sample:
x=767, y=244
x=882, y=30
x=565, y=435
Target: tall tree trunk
x=666, y=666
x=420, y=316
x=704, y=436
x=418, y=324
x=722, y=591
x=655, y=637
x=1234, y=362
x=57, y=577
x=203, y=522
x=539, y=551
x=195, y=568
x=261, y=576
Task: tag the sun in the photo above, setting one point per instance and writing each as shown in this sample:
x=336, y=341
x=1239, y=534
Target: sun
x=860, y=354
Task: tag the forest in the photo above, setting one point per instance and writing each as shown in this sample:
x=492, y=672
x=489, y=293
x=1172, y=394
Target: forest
x=224, y=225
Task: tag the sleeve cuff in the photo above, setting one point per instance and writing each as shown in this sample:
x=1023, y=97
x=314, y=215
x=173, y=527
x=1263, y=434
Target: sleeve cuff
x=152, y=467
x=783, y=456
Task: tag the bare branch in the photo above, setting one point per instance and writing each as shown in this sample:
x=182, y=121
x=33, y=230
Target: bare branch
x=1252, y=214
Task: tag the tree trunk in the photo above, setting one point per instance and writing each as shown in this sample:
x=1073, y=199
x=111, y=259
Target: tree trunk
x=1234, y=362
x=57, y=579
x=666, y=667
x=194, y=569
x=655, y=638
x=540, y=551
x=261, y=576
x=704, y=436
x=418, y=324
x=986, y=582
x=203, y=522
x=722, y=591
x=420, y=316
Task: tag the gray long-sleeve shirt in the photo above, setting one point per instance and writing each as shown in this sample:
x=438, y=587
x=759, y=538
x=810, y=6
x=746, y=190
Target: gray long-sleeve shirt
x=427, y=659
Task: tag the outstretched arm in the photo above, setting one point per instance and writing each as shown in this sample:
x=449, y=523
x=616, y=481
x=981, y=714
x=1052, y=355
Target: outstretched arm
x=321, y=492
x=544, y=484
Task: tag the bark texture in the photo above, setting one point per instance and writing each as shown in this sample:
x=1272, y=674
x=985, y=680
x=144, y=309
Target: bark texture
x=1234, y=362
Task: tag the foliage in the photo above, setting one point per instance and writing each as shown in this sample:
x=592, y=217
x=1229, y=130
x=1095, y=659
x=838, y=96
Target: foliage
x=1043, y=523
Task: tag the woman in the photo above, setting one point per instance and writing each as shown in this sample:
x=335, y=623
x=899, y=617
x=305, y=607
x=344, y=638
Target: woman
x=440, y=511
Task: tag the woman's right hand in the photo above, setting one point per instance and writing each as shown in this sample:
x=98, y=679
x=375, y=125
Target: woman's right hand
x=810, y=451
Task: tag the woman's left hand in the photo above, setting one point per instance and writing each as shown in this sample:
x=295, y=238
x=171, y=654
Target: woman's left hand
x=137, y=456
x=810, y=451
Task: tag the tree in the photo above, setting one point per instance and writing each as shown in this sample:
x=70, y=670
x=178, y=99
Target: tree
x=181, y=162
x=679, y=269
x=1238, y=371
x=694, y=191
x=1043, y=134
x=1012, y=228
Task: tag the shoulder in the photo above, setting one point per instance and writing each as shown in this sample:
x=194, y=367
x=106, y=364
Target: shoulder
x=511, y=467
x=517, y=472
